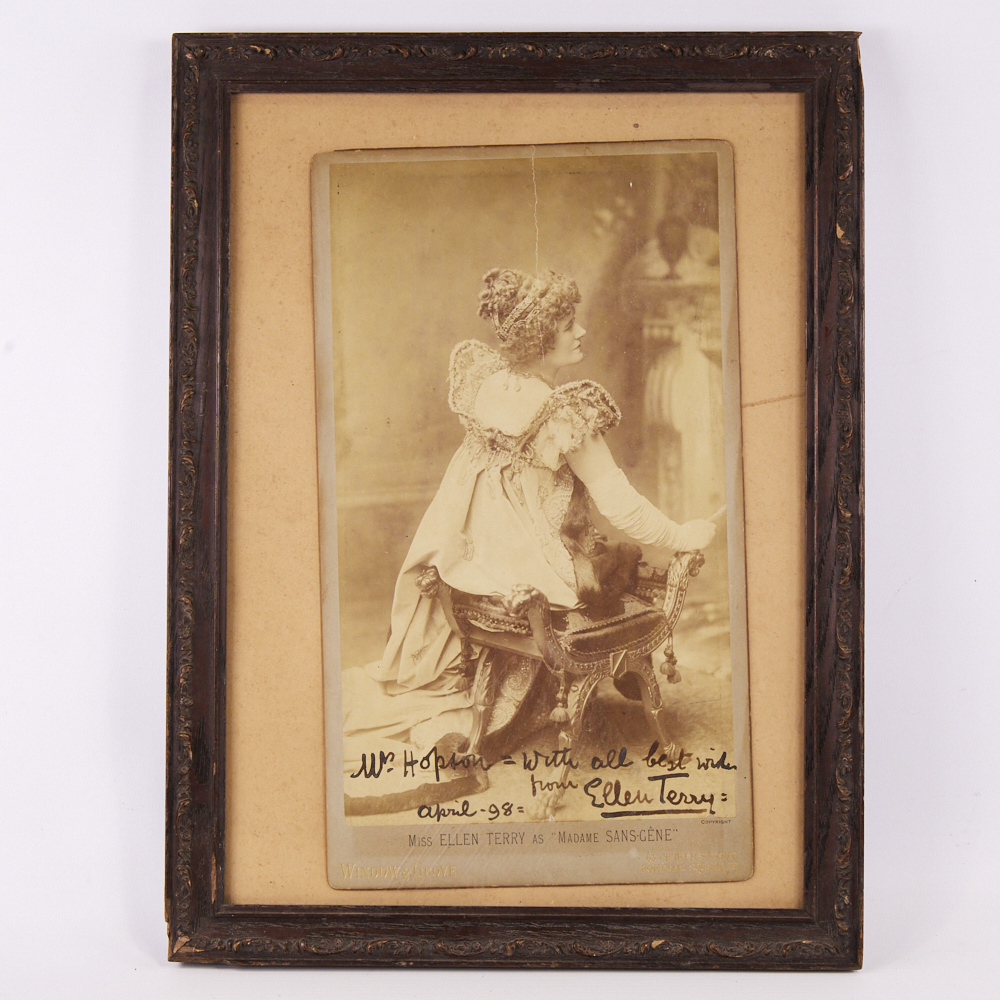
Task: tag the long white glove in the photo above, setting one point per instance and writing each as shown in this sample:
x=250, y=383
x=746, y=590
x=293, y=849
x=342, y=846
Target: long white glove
x=619, y=501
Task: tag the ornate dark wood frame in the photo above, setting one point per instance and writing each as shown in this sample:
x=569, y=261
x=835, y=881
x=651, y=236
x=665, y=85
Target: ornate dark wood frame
x=826, y=932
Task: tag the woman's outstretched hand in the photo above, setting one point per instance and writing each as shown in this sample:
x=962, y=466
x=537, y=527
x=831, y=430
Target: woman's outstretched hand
x=694, y=535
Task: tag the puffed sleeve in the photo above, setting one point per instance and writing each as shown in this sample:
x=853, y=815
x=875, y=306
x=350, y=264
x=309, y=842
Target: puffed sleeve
x=572, y=413
x=471, y=362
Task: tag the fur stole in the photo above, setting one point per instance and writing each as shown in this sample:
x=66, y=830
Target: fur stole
x=604, y=570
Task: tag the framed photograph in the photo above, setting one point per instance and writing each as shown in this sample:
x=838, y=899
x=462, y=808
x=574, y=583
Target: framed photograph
x=516, y=523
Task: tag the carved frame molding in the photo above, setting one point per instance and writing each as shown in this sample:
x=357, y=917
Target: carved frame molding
x=826, y=932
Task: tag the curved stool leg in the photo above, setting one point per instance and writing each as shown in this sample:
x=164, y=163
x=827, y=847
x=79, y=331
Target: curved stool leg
x=547, y=800
x=484, y=689
x=652, y=703
x=580, y=688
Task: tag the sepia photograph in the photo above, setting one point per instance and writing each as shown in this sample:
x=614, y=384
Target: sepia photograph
x=532, y=554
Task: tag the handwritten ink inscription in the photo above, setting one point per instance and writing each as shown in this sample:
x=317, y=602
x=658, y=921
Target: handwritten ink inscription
x=676, y=789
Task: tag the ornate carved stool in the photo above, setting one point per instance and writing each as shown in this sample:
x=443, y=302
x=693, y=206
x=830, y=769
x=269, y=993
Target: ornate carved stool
x=579, y=649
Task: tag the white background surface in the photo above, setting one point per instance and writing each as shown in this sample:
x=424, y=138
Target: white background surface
x=84, y=239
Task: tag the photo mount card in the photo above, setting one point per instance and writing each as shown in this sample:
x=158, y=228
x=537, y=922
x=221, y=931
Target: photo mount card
x=484, y=725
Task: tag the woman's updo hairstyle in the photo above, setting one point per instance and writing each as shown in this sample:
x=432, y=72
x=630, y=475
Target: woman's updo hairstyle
x=526, y=310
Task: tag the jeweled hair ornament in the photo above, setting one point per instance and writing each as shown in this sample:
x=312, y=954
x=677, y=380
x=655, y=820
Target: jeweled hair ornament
x=526, y=308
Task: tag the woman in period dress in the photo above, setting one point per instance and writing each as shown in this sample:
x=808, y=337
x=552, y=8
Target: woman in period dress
x=512, y=510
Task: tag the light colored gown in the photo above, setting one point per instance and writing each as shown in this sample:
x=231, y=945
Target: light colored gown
x=494, y=523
